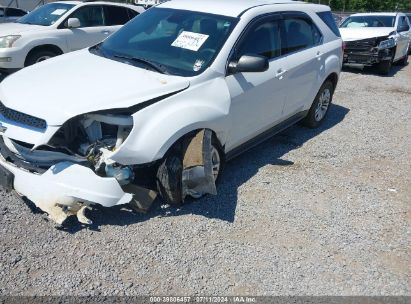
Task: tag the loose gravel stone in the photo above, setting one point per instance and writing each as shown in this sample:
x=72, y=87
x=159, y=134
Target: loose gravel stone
x=310, y=212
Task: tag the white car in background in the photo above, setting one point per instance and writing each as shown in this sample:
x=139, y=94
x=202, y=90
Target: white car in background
x=57, y=28
x=176, y=91
x=148, y=3
x=376, y=39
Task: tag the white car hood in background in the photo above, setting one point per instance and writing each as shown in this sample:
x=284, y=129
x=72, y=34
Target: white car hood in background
x=352, y=34
x=77, y=83
x=18, y=28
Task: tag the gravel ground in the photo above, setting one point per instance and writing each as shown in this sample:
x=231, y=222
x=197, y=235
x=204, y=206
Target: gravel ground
x=313, y=212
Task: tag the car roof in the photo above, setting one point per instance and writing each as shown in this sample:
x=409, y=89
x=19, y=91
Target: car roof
x=69, y=2
x=231, y=8
x=99, y=2
x=376, y=14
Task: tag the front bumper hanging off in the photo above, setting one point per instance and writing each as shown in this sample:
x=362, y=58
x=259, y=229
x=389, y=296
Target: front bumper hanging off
x=367, y=58
x=62, y=190
x=64, y=185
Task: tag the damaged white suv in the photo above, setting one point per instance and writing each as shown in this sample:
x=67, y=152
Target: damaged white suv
x=180, y=89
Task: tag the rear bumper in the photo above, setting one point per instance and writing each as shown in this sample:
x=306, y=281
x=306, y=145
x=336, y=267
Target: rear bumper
x=366, y=58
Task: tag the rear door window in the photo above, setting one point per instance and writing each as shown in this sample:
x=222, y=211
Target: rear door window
x=301, y=33
x=132, y=13
x=116, y=15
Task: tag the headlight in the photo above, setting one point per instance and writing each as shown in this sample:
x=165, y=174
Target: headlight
x=386, y=44
x=8, y=41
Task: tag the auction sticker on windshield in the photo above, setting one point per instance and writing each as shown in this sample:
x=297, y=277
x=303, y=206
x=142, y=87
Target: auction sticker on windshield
x=190, y=41
x=59, y=11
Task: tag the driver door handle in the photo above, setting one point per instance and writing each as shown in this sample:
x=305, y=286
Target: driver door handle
x=280, y=73
x=106, y=32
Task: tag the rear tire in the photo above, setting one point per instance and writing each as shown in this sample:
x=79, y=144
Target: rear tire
x=320, y=106
x=39, y=56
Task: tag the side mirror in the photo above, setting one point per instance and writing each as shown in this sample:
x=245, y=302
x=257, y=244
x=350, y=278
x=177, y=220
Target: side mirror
x=73, y=23
x=403, y=28
x=249, y=63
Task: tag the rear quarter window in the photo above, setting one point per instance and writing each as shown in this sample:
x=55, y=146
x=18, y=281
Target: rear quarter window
x=132, y=13
x=328, y=19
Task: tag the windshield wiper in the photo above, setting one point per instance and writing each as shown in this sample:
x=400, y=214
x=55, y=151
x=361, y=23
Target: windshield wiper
x=96, y=49
x=30, y=23
x=157, y=67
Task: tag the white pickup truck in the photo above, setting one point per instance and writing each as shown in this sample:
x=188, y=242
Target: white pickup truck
x=58, y=28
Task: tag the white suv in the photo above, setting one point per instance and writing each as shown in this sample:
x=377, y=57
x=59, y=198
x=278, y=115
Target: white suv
x=57, y=28
x=177, y=91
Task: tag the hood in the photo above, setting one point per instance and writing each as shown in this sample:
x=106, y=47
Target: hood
x=80, y=82
x=359, y=33
x=19, y=28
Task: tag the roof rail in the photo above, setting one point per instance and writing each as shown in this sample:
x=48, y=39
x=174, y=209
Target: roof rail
x=118, y=1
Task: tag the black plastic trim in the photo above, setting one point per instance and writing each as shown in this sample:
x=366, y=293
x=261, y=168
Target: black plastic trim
x=6, y=179
x=260, y=5
x=13, y=159
x=134, y=109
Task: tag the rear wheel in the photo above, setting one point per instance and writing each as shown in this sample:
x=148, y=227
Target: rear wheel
x=320, y=106
x=39, y=56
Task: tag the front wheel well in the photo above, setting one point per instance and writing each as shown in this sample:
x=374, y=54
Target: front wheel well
x=46, y=47
x=178, y=143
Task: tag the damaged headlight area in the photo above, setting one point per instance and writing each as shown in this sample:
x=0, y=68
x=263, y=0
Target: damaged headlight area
x=94, y=138
x=74, y=170
x=387, y=44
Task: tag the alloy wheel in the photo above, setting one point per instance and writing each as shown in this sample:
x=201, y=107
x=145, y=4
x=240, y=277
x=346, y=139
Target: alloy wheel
x=323, y=104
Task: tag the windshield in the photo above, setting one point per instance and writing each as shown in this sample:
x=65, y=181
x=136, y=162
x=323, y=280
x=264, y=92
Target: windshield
x=46, y=14
x=369, y=21
x=171, y=41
